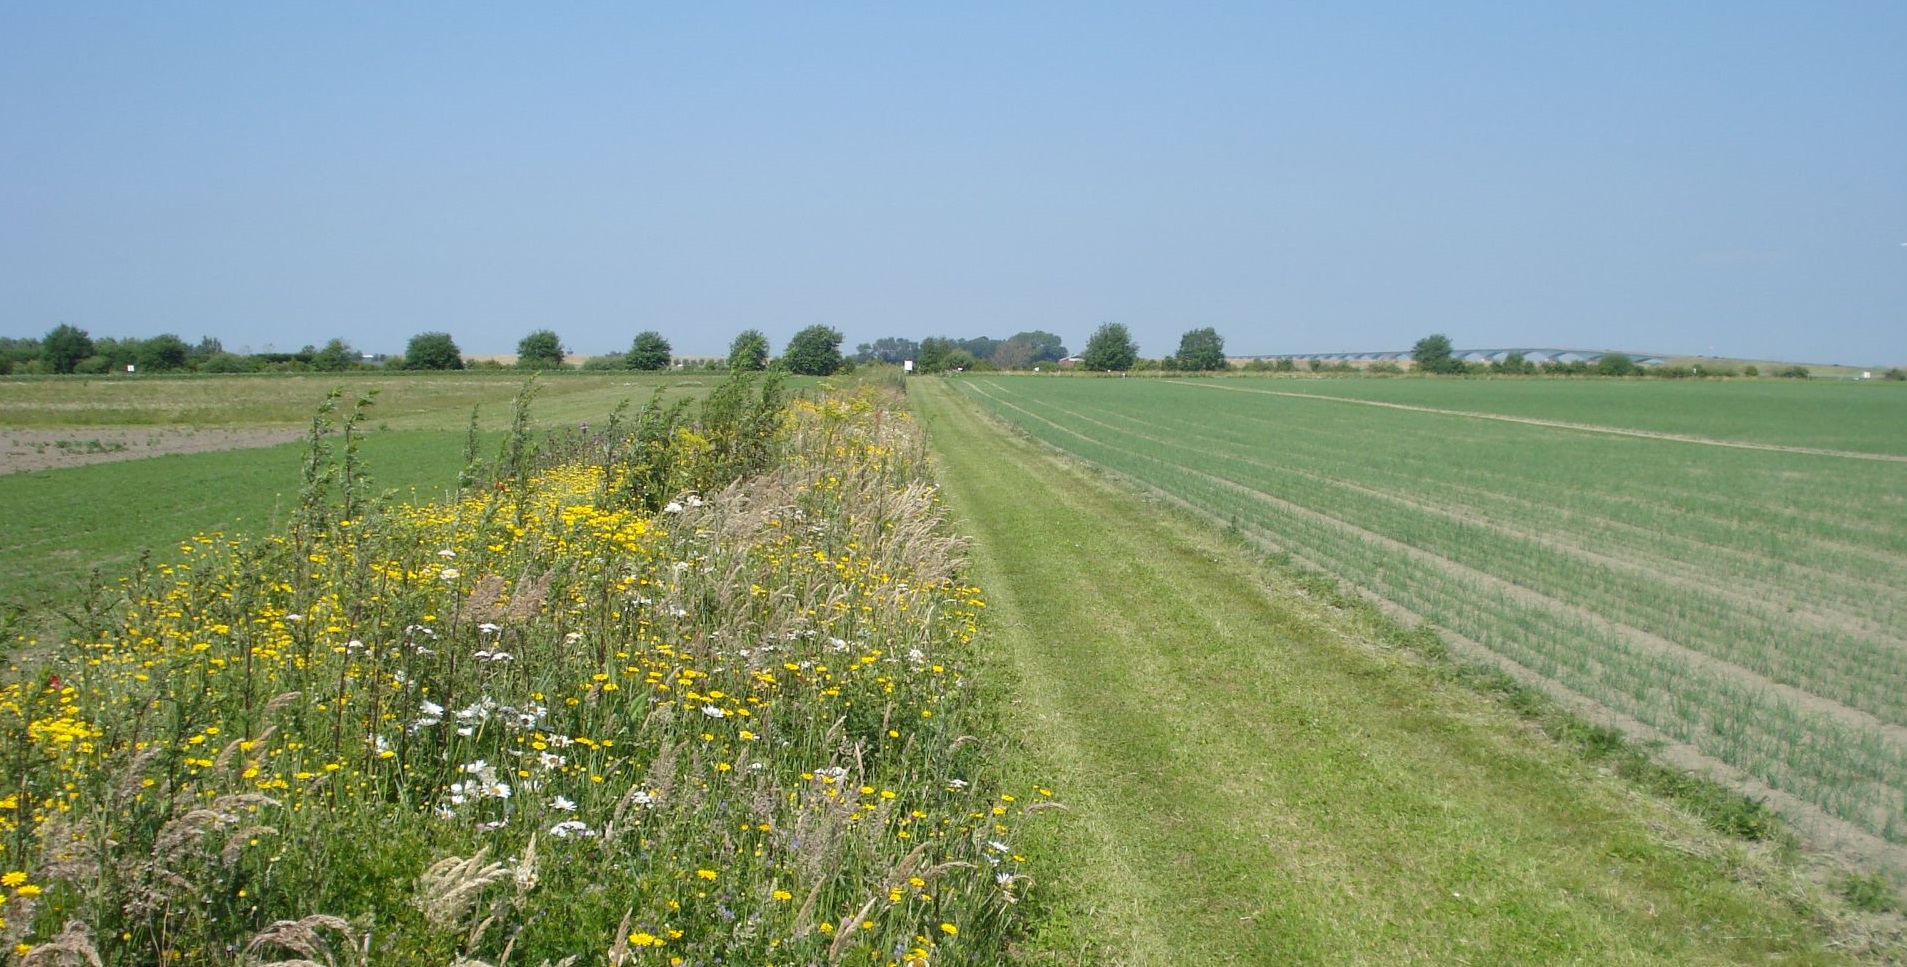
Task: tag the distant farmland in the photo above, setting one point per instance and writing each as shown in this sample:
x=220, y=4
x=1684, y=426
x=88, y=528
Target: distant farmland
x=1721, y=565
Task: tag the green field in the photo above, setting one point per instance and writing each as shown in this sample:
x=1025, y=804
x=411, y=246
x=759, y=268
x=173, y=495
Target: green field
x=1260, y=769
x=1866, y=417
x=408, y=401
x=58, y=526
x=62, y=525
x=1255, y=767
x=1746, y=603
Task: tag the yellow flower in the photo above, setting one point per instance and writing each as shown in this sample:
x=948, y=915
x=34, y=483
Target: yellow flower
x=706, y=874
x=14, y=878
x=950, y=930
x=31, y=889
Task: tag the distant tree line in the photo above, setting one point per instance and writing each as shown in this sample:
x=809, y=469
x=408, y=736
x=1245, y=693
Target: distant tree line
x=1433, y=354
x=70, y=349
x=67, y=349
x=1109, y=349
x=814, y=351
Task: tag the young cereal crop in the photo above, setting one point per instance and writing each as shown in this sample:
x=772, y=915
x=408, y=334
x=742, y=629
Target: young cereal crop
x=1740, y=599
x=560, y=716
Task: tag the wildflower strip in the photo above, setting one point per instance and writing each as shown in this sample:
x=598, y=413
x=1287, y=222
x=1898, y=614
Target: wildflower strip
x=561, y=715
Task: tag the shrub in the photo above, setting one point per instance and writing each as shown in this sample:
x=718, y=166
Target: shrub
x=649, y=351
x=542, y=349
x=749, y=351
x=1110, y=349
x=814, y=351
x=433, y=350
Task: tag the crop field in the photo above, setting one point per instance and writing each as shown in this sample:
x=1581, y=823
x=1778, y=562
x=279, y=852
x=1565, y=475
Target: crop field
x=409, y=401
x=95, y=472
x=1659, y=557
x=1827, y=415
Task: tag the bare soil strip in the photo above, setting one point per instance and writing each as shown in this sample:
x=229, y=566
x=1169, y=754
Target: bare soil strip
x=27, y=449
x=1559, y=424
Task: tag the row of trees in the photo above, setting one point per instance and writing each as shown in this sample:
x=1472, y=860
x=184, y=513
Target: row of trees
x=814, y=351
x=1110, y=349
x=69, y=349
x=1433, y=354
x=66, y=349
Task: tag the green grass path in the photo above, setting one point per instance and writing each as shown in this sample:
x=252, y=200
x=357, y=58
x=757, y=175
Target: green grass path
x=1255, y=777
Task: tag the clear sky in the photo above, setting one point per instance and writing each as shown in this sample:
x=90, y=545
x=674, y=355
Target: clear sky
x=1725, y=178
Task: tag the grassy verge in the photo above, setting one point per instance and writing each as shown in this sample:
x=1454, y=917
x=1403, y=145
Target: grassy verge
x=1258, y=774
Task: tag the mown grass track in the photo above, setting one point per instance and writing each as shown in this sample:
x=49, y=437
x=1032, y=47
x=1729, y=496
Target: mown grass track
x=1258, y=776
x=1743, y=602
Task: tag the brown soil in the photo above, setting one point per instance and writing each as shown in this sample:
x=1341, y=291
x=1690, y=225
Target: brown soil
x=24, y=449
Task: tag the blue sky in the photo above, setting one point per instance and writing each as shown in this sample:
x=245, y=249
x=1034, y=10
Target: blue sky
x=1305, y=177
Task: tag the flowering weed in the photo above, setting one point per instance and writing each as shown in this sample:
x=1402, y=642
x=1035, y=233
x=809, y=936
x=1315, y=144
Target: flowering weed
x=566, y=714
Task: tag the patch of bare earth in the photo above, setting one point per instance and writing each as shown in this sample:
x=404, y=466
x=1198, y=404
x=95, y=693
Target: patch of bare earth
x=27, y=449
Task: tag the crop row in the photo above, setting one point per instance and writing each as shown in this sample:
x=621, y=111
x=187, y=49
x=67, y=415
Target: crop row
x=1456, y=531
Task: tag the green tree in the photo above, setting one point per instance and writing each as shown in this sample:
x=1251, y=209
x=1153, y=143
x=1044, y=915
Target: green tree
x=1616, y=364
x=749, y=352
x=222, y=362
x=979, y=347
x=939, y=354
x=1110, y=349
x=336, y=357
x=814, y=351
x=1042, y=346
x=64, y=347
x=162, y=353
x=542, y=349
x=893, y=350
x=1513, y=364
x=433, y=350
x=1201, y=350
x=1024, y=350
x=1433, y=354
x=649, y=351
x=110, y=356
